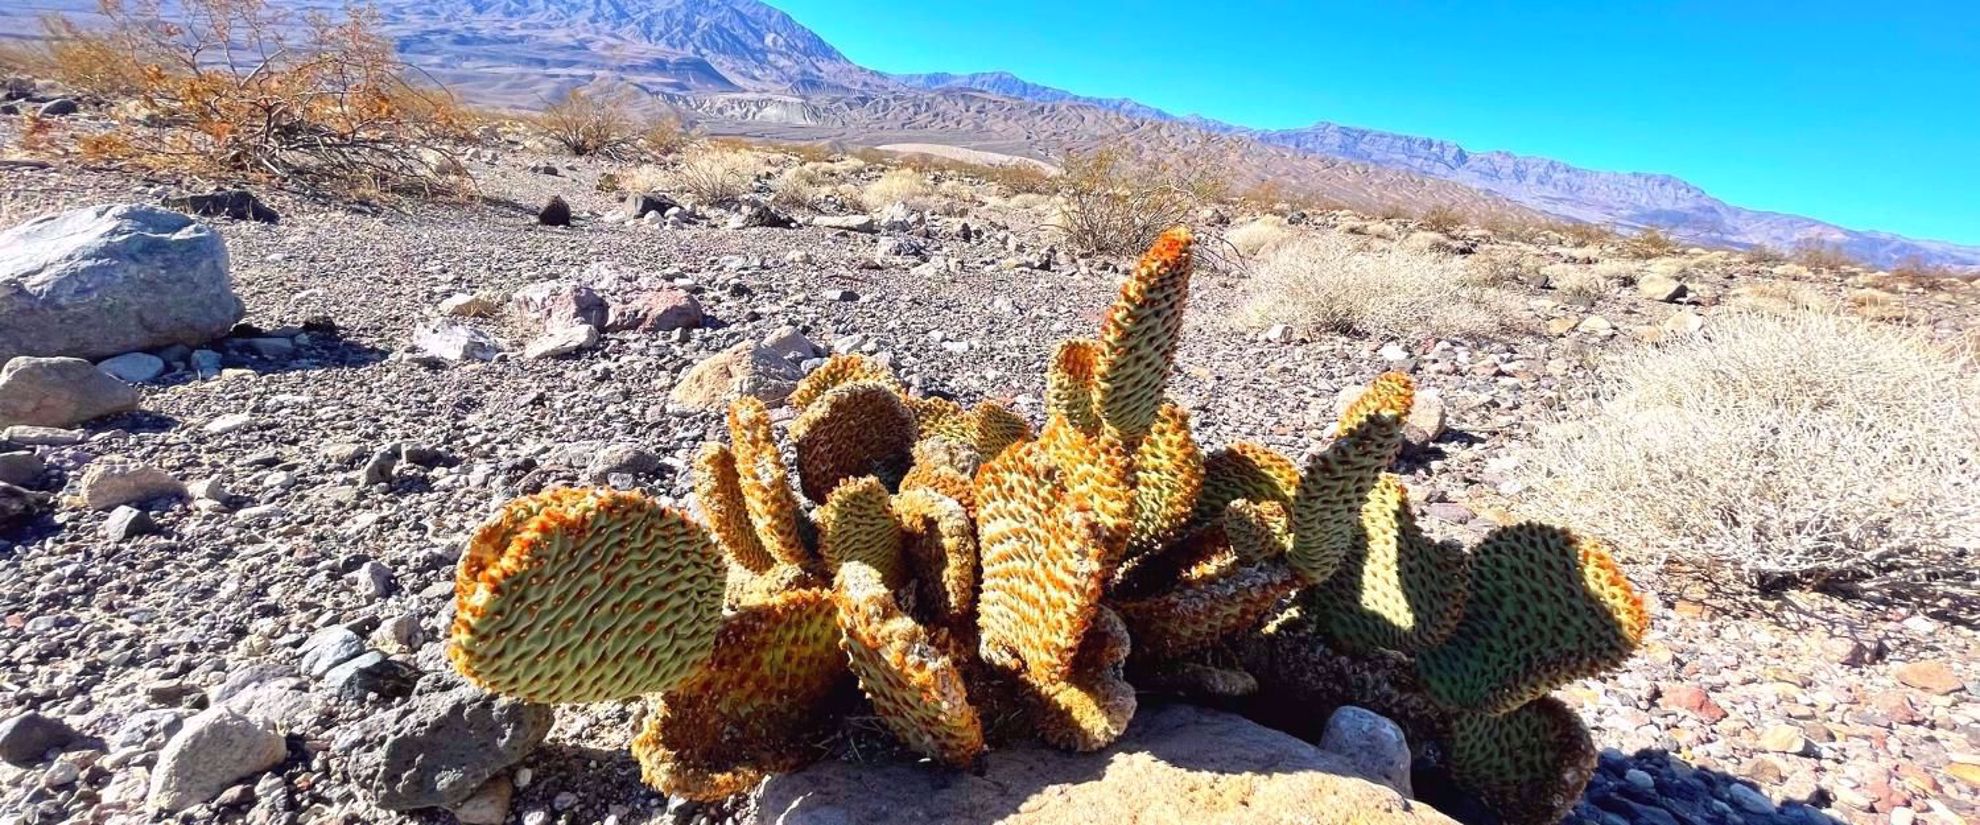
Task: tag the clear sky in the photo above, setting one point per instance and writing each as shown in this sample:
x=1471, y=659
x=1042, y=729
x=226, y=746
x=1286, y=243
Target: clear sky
x=1863, y=114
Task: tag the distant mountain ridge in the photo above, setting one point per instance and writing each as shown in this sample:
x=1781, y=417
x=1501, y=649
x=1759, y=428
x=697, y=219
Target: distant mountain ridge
x=756, y=69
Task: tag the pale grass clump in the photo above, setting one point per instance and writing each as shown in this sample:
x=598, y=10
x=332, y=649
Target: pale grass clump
x=804, y=186
x=1326, y=281
x=1779, y=298
x=1800, y=450
x=711, y=175
x=1591, y=280
x=1257, y=235
x=898, y=186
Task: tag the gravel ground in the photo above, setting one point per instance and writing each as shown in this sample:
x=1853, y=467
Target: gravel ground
x=1784, y=711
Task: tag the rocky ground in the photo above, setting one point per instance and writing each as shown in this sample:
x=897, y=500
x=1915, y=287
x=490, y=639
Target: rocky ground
x=293, y=561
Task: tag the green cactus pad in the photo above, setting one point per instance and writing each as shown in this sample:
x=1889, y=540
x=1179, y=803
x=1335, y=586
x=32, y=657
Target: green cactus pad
x=857, y=525
x=1138, y=338
x=1530, y=765
x=1397, y=589
x=857, y=429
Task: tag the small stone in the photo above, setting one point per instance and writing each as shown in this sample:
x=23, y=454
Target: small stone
x=1681, y=323
x=1932, y=676
x=660, y=310
x=1657, y=286
x=127, y=522
x=1596, y=325
x=113, y=481
x=402, y=632
x=21, y=469
x=375, y=580
x=561, y=341
x=440, y=749
x=1640, y=780
x=463, y=305
x=371, y=673
x=57, y=108
x=1372, y=743
x=616, y=458
x=555, y=212
x=214, y=750
x=328, y=648
x=133, y=367
x=454, y=341
x=846, y=295
x=60, y=775
x=489, y=805
x=1279, y=333
x=1694, y=700
x=273, y=349
x=27, y=738
x=1786, y=739
x=228, y=423
x=210, y=489
x=1749, y=800
x=42, y=436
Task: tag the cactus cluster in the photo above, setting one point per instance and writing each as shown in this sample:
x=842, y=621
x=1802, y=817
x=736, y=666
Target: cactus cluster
x=943, y=568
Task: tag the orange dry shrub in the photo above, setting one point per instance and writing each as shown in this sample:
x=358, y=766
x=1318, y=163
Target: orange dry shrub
x=235, y=87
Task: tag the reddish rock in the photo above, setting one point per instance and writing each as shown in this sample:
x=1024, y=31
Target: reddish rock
x=1693, y=700
x=1895, y=706
x=559, y=304
x=663, y=310
x=1933, y=677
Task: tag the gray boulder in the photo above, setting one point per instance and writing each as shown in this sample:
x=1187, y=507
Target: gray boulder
x=59, y=392
x=112, y=279
x=209, y=754
x=438, y=749
x=26, y=738
x=1372, y=743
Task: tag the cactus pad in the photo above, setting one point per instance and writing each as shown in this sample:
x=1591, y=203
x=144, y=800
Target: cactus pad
x=766, y=485
x=1397, y=590
x=573, y=596
x=837, y=371
x=857, y=429
x=939, y=544
x=1530, y=765
x=1244, y=470
x=1546, y=607
x=1327, y=510
x=1192, y=619
x=997, y=427
x=1069, y=384
x=1258, y=532
x=718, y=490
x=916, y=689
x=1168, y=474
x=751, y=708
x=857, y=525
x=1092, y=707
x=1138, y=337
x=944, y=466
x=1044, y=533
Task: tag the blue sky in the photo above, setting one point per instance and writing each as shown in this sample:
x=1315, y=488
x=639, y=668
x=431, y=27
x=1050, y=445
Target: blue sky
x=1866, y=115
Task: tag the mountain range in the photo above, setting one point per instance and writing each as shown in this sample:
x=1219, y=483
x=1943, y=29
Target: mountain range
x=742, y=67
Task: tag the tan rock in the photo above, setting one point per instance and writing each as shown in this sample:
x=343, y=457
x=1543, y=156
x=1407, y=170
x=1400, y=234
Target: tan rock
x=744, y=369
x=1931, y=676
x=1177, y=764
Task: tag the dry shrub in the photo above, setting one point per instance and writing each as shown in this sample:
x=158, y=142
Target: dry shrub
x=1326, y=281
x=804, y=186
x=1579, y=233
x=237, y=88
x=1649, y=243
x=592, y=122
x=1441, y=218
x=1779, y=298
x=1258, y=235
x=715, y=174
x=1114, y=207
x=1808, y=450
x=665, y=135
x=907, y=186
x=1595, y=280
x=1816, y=254
x=1499, y=266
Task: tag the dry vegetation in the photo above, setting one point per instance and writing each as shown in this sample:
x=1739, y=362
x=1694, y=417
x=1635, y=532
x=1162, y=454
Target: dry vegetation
x=1805, y=449
x=1113, y=206
x=239, y=88
x=1328, y=281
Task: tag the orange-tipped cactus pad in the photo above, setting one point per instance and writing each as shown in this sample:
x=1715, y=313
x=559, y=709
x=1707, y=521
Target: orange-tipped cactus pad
x=839, y=370
x=916, y=689
x=857, y=525
x=1069, y=384
x=755, y=705
x=1091, y=707
x=766, y=485
x=858, y=429
x=1050, y=531
x=579, y=596
x=1396, y=589
x=1192, y=619
x=1546, y=607
x=718, y=491
x=946, y=467
x=997, y=427
x=1138, y=337
x=1530, y=765
x=1244, y=470
x=1168, y=474
x=940, y=548
x=1327, y=510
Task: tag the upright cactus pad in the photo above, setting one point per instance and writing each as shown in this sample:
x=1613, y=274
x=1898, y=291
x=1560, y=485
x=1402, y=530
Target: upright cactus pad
x=1168, y=474
x=1529, y=765
x=916, y=688
x=1194, y=618
x=573, y=596
x=718, y=491
x=1259, y=532
x=1091, y=707
x=946, y=467
x=1397, y=590
x=1546, y=607
x=766, y=485
x=857, y=429
x=857, y=525
x=935, y=416
x=1244, y=470
x=940, y=548
x=1046, y=539
x=1138, y=338
x=837, y=371
x=1069, y=384
x=997, y=427
x=755, y=705
x=1327, y=510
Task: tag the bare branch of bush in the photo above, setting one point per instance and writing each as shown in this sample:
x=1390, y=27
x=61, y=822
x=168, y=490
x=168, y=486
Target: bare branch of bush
x=1112, y=206
x=592, y=123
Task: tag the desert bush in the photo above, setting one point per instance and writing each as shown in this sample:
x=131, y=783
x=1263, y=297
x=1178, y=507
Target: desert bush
x=1579, y=233
x=1112, y=206
x=1257, y=235
x=907, y=186
x=1809, y=449
x=1441, y=218
x=1498, y=266
x=1779, y=298
x=1763, y=254
x=236, y=87
x=1595, y=280
x=1816, y=254
x=804, y=186
x=714, y=174
x=1325, y=281
x=1650, y=243
x=664, y=135
x=592, y=122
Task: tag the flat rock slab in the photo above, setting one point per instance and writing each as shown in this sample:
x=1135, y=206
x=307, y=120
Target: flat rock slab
x=1176, y=764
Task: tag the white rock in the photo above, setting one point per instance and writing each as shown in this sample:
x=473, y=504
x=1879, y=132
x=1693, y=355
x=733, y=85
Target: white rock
x=452, y=341
x=58, y=392
x=112, y=481
x=1372, y=743
x=214, y=750
x=228, y=423
x=133, y=367
x=562, y=340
